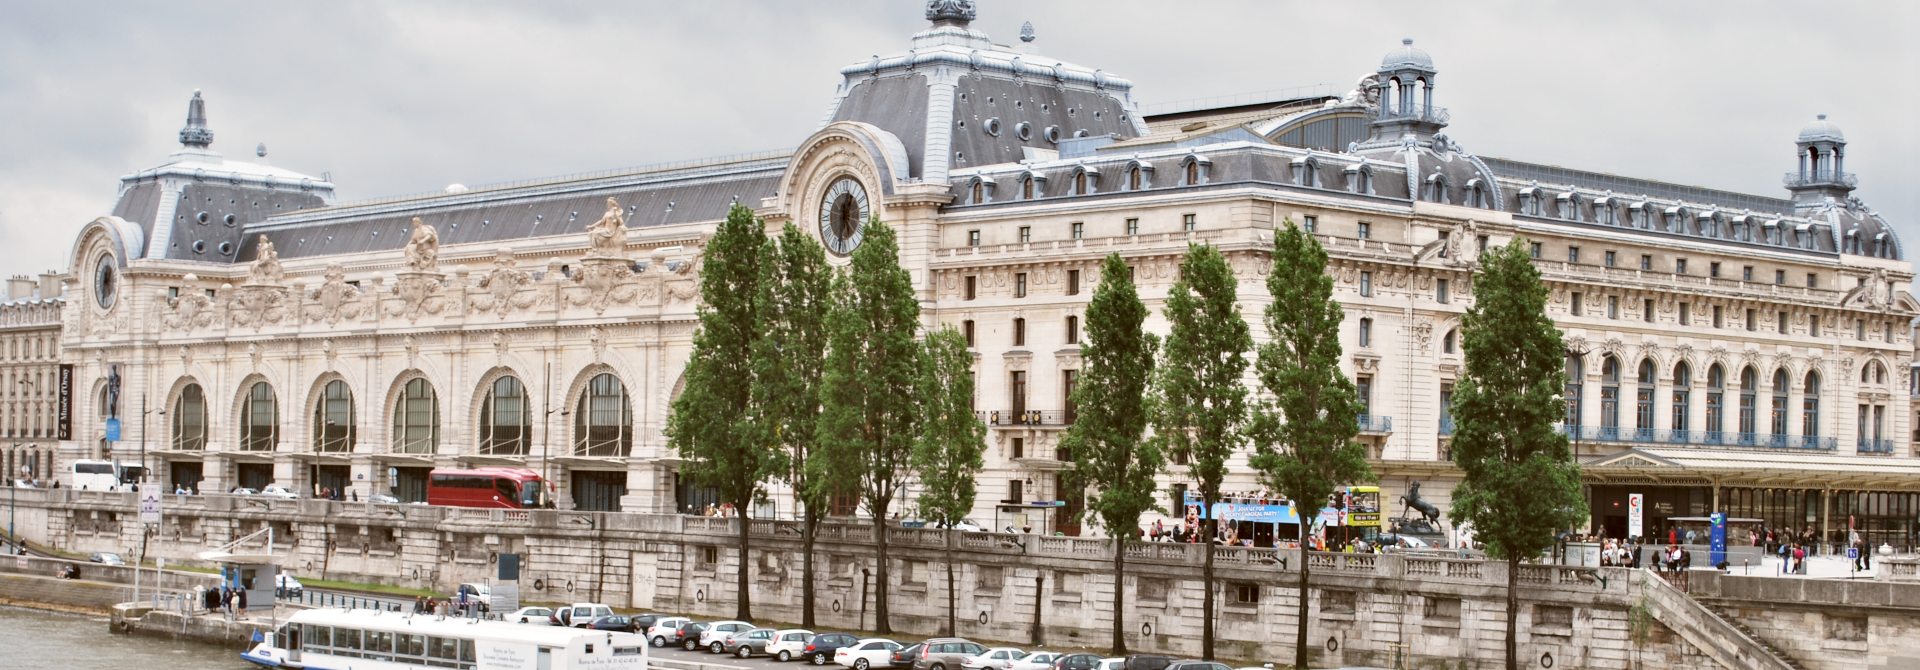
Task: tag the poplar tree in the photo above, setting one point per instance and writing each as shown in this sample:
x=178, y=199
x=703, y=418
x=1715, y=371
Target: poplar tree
x=949, y=453
x=713, y=422
x=787, y=360
x=868, y=410
x=1521, y=484
x=1201, y=409
x=1303, y=445
x=1107, y=446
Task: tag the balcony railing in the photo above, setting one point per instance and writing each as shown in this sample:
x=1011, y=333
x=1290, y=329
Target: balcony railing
x=1868, y=445
x=1820, y=177
x=1376, y=423
x=1446, y=426
x=1704, y=438
x=1030, y=417
x=1417, y=111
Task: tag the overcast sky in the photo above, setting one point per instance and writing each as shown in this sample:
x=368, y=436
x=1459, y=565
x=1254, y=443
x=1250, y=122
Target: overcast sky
x=401, y=97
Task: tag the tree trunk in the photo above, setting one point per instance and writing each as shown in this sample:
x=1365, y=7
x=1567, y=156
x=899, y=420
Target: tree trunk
x=808, y=526
x=745, y=611
x=1119, y=595
x=1206, y=576
x=1513, y=609
x=952, y=628
x=1300, y=622
x=881, y=624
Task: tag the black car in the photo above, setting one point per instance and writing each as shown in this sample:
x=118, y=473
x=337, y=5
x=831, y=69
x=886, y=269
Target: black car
x=689, y=635
x=819, y=650
x=1077, y=662
x=904, y=657
x=643, y=622
x=616, y=622
x=1146, y=662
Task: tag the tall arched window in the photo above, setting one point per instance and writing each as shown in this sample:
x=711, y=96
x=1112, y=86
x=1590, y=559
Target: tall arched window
x=416, y=419
x=333, y=423
x=603, y=420
x=1810, y=405
x=259, y=419
x=505, y=422
x=190, y=419
x=1576, y=371
x=1749, y=398
x=1682, y=395
x=1643, y=401
x=1447, y=342
x=1610, y=396
x=1716, y=399
x=1778, y=425
x=1134, y=180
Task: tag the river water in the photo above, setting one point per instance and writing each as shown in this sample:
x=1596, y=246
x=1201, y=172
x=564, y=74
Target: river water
x=42, y=640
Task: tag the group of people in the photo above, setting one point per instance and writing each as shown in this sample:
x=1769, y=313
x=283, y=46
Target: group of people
x=721, y=510
x=225, y=599
x=461, y=606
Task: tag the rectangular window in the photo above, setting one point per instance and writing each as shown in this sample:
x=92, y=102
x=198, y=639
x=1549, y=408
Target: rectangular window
x=1246, y=594
x=1069, y=380
x=966, y=328
x=1781, y=322
x=1813, y=280
x=1073, y=282
x=1073, y=330
x=1613, y=307
x=1646, y=310
x=1573, y=254
x=1189, y=221
x=1133, y=226
x=1746, y=273
x=1780, y=276
x=973, y=238
x=1482, y=242
x=1753, y=321
x=1079, y=230
x=1014, y=494
x=1019, y=284
x=1578, y=300
x=1445, y=238
x=1366, y=332
x=1019, y=332
x=1719, y=317
x=1646, y=261
x=1312, y=223
x=1535, y=251
x=1366, y=230
x=1363, y=392
x=1860, y=329
x=1680, y=266
x=1440, y=291
x=1017, y=394
x=1026, y=234
x=1686, y=314
x=972, y=283
x=1613, y=258
x=1713, y=269
x=1813, y=325
x=1366, y=284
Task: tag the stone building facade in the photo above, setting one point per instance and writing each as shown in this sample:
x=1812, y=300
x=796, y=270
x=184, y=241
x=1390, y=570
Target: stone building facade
x=31, y=390
x=1727, y=351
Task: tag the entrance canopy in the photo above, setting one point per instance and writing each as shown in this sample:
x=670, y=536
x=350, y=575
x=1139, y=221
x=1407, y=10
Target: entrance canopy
x=1752, y=468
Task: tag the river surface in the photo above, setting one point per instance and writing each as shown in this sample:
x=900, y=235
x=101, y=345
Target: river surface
x=43, y=640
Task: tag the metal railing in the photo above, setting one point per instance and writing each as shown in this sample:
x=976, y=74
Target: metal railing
x=1029, y=417
x=1706, y=438
x=1868, y=445
x=1820, y=177
x=1431, y=113
x=1375, y=423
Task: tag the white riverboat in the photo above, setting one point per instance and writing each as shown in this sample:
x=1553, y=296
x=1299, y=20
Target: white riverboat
x=337, y=639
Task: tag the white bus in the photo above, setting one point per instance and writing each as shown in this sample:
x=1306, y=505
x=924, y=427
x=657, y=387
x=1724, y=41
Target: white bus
x=102, y=475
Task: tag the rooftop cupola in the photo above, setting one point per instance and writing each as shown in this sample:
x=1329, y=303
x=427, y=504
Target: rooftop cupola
x=196, y=135
x=1823, y=154
x=956, y=13
x=1405, y=86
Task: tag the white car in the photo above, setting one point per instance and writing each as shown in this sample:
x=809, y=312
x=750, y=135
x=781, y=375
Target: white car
x=1039, y=660
x=872, y=652
x=285, y=586
x=715, y=638
x=278, y=491
x=666, y=630
x=788, y=643
x=539, y=616
x=243, y=491
x=1111, y=664
x=578, y=615
x=997, y=658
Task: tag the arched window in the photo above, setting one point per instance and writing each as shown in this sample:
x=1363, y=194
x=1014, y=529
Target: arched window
x=1610, y=396
x=1778, y=425
x=603, y=420
x=1810, y=405
x=1191, y=172
x=979, y=191
x=1447, y=342
x=259, y=419
x=190, y=419
x=1716, y=401
x=1576, y=372
x=1134, y=179
x=1436, y=190
x=1682, y=395
x=1026, y=187
x=505, y=422
x=333, y=423
x=1080, y=182
x=416, y=419
x=1749, y=397
x=1643, y=401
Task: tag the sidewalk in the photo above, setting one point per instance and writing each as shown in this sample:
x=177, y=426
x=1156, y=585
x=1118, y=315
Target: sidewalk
x=1818, y=567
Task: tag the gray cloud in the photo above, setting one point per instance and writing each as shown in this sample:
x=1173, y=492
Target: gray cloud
x=393, y=98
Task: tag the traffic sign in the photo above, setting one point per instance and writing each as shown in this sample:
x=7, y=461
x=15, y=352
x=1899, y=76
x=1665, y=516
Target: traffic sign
x=113, y=429
x=150, y=505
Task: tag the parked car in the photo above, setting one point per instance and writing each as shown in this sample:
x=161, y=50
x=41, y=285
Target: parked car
x=1145, y=662
x=689, y=634
x=578, y=615
x=1077, y=662
x=613, y=622
x=821, y=648
x=666, y=630
x=904, y=657
x=1111, y=664
x=534, y=615
x=714, y=638
x=997, y=658
x=869, y=653
x=278, y=491
x=946, y=653
x=242, y=491
x=645, y=622
x=476, y=594
x=788, y=644
x=746, y=643
x=285, y=586
x=383, y=499
x=1037, y=660
x=1197, y=665
x=106, y=558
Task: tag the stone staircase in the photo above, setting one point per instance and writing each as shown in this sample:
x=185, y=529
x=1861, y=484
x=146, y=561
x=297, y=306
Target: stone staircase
x=1720, y=637
x=1744, y=630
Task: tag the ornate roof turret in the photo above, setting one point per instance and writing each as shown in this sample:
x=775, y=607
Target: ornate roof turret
x=1822, y=130
x=950, y=12
x=1406, y=57
x=1822, y=175
x=196, y=135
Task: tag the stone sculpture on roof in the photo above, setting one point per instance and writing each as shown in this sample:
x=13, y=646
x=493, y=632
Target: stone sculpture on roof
x=423, y=247
x=266, y=268
x=1365, y=93
x=608, y=236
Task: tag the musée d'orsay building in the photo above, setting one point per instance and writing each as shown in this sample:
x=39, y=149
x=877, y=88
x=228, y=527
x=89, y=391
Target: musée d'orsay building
x=1726, y=351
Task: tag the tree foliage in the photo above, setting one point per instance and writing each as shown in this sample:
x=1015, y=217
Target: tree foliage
x=788, y=355
x=1201, y=409
x=1111, y=458
x=949, y=454
x=1521, y=484
x=1303, y=444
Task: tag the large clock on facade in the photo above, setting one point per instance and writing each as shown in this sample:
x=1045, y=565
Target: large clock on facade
x=844, y=210
x=106, y=282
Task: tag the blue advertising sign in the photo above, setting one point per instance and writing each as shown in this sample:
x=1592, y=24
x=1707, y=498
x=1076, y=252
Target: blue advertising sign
x=1717, y=540
x=1260, y=512
x=113, y=429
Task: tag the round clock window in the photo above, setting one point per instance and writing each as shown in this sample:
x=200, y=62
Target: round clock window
x=844, y=210
x=106, y=282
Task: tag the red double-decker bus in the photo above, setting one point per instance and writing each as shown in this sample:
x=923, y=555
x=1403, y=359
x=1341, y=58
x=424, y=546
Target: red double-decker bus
x=502, y=488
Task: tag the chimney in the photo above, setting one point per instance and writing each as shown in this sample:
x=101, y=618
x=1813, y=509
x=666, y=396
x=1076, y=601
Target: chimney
x=50, y=285
x=19, y=287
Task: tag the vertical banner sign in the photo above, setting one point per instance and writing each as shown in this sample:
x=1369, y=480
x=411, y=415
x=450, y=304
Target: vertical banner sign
x=63, y=424
x=1635, y=503
x=1717, y=540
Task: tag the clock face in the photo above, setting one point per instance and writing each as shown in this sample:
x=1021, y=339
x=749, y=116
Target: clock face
x=844, y=210
x=106, y=283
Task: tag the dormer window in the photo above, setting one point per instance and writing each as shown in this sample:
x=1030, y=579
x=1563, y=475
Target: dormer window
x=1642, y=215
x=1604, y=212
x=1306, y=172
x=978, y=191
x=1710, y=225
x=1477, y=194
x=1194, y=169
x=1139, y=176
x=1032, y=185
x=1569, y=205
x=1085, y=180
x=1675, y=220
x=1530, y=201
x=1360, y=179
x=1436, y=189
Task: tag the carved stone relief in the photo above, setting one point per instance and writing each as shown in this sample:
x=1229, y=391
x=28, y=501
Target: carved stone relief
x=335, y=299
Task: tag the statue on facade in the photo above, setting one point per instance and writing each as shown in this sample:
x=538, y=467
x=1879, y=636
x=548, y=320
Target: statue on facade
x=266, y=268
x=1413, y=502
x=423, y=246
x=608, y=236
x=113, y=391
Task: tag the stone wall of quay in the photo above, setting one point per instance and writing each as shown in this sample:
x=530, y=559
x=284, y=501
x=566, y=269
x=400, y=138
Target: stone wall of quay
x=1367, y=609
x=1825, y=623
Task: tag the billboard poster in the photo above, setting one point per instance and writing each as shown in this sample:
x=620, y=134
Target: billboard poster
x=63, y=418
x=1636, y=503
